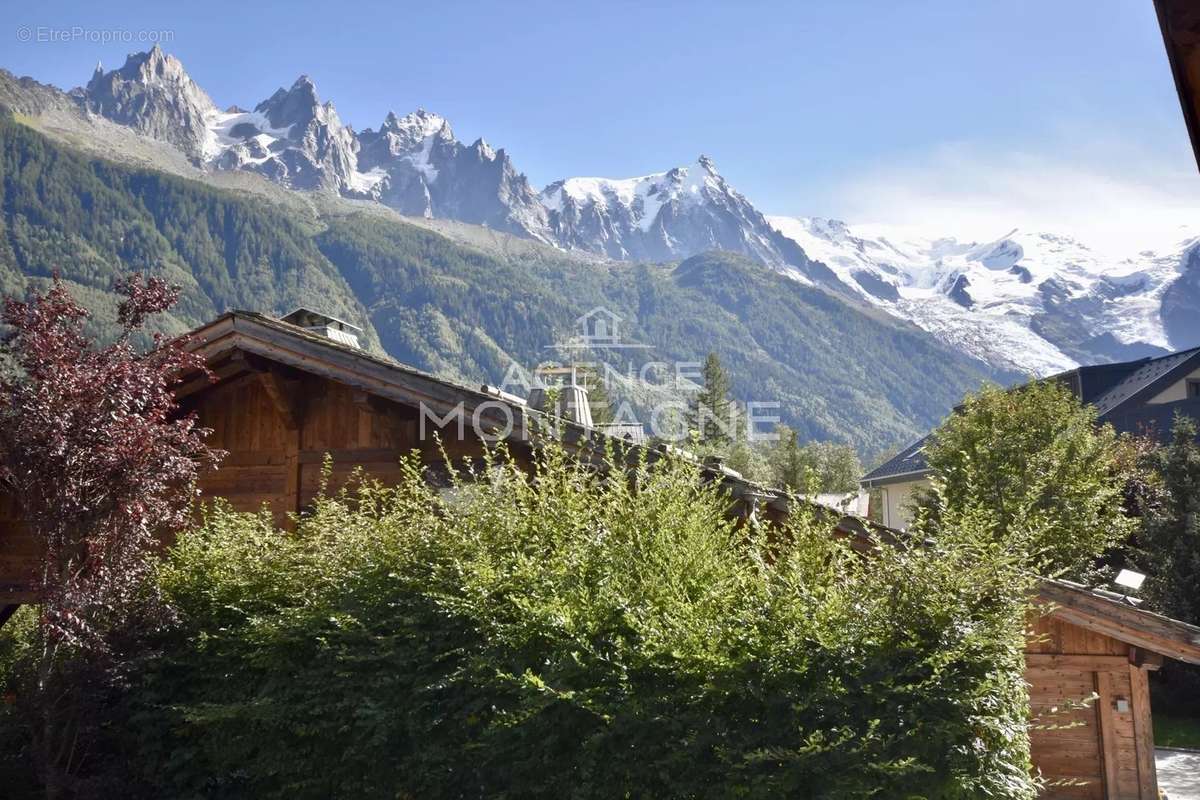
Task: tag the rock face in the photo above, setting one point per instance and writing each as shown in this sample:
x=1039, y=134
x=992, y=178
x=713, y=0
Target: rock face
x=416, y=165
x=668, y=215
x=291, y=138
x=153, y=94
x=413, y=164
x=1028, y=301
x=1181, y=301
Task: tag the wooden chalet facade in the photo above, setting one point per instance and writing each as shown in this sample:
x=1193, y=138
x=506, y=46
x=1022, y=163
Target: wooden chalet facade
x=284, y=397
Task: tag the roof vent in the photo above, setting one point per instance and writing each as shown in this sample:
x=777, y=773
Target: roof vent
x=570, y=398
x=333, y=328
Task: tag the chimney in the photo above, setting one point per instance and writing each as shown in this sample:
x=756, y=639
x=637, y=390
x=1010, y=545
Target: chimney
x=333, y=328
x=571, y=400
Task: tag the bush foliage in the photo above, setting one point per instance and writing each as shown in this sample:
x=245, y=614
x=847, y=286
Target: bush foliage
x=560, y=634
x=1052, y=478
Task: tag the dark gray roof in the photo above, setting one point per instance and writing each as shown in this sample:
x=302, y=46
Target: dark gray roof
x=1118, y=391
x=1151, y=376
x=908, y=461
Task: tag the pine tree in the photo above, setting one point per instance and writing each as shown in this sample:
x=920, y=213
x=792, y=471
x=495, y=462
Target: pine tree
x=710, y=412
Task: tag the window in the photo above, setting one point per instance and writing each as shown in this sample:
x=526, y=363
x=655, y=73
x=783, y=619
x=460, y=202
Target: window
x=1193, y=389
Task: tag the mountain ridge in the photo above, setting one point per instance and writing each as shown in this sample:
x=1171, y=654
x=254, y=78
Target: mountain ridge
x=1051, y=306
x=1029, y=300
x=417, y=166
x=839, y=370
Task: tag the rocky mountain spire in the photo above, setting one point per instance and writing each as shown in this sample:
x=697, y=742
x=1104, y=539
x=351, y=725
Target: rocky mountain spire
x=153, y=93
x=292, y=138
x=423, y=170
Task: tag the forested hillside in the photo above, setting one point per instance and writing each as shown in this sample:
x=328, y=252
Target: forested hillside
x=839, y=370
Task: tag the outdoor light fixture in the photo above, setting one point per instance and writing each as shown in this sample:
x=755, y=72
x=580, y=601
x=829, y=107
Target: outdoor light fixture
x=1130, y=579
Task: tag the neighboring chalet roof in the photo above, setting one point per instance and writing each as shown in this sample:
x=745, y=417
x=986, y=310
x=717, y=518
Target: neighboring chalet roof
x=1118, y=391
x=1116, y=616
x=297, y=347
x=906, y=465
x=1149, y=377
x=1180, y=23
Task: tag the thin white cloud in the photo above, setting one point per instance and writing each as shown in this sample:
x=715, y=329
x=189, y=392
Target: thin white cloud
x=1113, y=197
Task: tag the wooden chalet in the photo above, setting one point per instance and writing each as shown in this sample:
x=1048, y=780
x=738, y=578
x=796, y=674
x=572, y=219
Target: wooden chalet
x=284, y=396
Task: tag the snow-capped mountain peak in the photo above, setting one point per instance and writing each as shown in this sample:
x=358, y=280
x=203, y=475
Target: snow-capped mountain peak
x=673, y=214
x=291, y=137
x=416, y=165
x=412, y=163
x=416, y=127
x=1031, y=301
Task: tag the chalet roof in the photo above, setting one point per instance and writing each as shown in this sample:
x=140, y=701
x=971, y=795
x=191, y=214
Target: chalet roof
x=1115, y=616
x=908, y=464
x=1180, y=24
x=294, y=346
x=1151, y=376
x=1118, y=391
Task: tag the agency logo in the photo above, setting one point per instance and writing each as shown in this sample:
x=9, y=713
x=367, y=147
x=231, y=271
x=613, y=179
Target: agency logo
x=598, y=329
x=600, y=380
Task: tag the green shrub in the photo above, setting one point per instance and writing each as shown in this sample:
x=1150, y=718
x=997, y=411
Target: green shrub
x=565, y=635
x=1052, y=478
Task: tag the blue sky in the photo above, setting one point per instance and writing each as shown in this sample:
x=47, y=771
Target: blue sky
x=952, y=113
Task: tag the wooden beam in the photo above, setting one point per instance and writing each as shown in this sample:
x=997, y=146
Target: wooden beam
x=1140, y=657
x=1122, y=621
x=1179, y=21
x=353, y=457
x=293, y=469
x=1108, y=733
x=1082, y=663
x=1143, y=734
x=234, y=365
x=287, y=390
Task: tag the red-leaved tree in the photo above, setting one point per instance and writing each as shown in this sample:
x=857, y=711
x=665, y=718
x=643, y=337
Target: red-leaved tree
x=102, y=465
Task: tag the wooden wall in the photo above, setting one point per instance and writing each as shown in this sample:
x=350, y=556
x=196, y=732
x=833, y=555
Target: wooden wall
x=1095, y=751
x=18, y=554
x=279, y=430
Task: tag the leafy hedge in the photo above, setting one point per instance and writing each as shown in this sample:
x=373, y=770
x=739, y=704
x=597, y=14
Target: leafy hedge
x=560, y=635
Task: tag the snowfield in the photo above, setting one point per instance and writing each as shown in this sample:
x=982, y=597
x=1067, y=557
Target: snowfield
x=1027, y=301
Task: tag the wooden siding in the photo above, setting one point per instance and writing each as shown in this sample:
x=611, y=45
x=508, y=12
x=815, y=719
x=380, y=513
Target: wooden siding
x=1088, y=749
x=277, y=454
x=18, y=554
